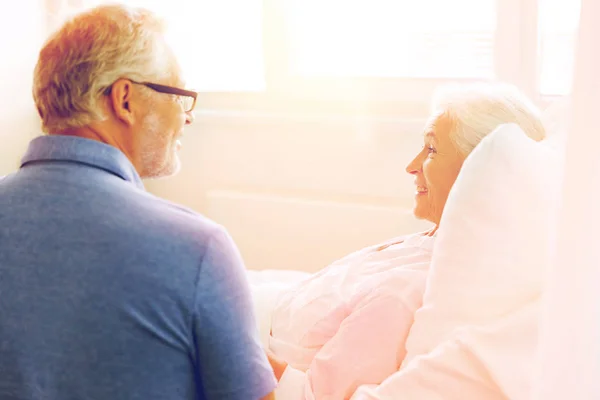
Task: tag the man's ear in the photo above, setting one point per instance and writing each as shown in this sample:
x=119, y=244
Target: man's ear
x=120, y=96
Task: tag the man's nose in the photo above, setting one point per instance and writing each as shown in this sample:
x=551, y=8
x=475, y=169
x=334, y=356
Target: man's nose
x=189, y=117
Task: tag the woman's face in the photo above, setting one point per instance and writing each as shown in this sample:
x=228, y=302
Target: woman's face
x=435, y=169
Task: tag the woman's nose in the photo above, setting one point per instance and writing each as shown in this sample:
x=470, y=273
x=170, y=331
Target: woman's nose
x=415, y=165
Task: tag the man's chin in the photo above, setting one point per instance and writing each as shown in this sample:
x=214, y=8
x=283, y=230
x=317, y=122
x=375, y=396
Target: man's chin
x=170, y=169
x=173, y=168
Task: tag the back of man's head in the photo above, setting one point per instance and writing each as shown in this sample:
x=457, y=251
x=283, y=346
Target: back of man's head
x=87, y=54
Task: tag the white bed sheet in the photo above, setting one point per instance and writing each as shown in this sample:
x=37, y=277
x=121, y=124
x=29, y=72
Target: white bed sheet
x=266, y=286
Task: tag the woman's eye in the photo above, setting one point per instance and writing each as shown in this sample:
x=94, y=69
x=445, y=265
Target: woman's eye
x=430, y=150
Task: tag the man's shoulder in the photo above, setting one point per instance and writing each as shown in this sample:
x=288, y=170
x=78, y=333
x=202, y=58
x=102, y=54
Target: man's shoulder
x=176, y=212
x=176, y=219
x=5, y=179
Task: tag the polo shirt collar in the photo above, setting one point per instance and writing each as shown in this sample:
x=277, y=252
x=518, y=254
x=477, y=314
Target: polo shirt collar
x=82, y=151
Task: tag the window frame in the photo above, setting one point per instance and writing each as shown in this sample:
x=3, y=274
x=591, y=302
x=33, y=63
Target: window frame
x=516, y=60
x=281, y=83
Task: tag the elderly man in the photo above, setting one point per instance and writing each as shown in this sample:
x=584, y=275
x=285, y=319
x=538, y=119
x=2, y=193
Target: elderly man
x=107, y=291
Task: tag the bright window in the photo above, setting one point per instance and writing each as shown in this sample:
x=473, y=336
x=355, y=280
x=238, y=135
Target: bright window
x=218, y=42
x=392, y=38
x=558, y=22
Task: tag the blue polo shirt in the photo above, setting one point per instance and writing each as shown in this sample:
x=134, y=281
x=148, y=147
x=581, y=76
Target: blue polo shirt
x=110, y=293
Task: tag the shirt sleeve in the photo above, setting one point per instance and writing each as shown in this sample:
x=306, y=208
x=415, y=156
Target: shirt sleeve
x=232, y=365
x=367, y=348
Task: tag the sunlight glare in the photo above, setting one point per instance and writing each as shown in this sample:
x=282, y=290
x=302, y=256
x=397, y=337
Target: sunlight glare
x=391, y=37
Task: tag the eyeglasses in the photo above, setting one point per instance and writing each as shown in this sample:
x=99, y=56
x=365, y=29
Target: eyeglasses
x=188, y=97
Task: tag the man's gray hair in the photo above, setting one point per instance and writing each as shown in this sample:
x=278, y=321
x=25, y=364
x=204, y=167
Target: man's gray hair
x=475, y=110
x=88, y=54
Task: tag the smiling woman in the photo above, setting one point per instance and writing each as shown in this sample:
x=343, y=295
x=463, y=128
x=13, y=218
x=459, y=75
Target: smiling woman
x=361, y=307
x=435, y=169
x=461, y=117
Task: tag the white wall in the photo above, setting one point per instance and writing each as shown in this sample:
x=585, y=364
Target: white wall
x=21, y=27
x=299, y=192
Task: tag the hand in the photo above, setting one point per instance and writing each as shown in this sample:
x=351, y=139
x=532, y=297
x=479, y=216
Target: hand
x=277, y=364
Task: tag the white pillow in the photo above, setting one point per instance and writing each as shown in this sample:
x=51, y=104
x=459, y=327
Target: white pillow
x=494, y=238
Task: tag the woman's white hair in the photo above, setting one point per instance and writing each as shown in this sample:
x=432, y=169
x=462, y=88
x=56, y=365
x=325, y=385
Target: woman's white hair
x=475, y=110
x=88, y=54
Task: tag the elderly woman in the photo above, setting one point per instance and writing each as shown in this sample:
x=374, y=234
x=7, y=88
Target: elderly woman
x=347, y=325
